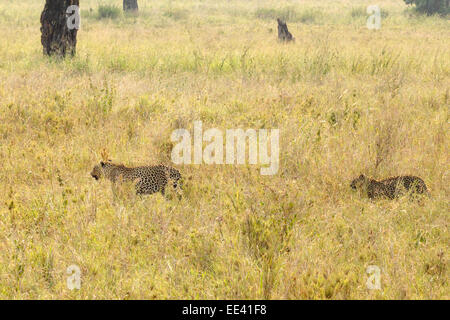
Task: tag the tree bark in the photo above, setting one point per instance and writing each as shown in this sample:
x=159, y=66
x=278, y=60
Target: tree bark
x=130, y=5
x=56, y=37
x=283, y=32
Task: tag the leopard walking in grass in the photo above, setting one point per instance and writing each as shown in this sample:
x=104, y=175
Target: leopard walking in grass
x=148, y=179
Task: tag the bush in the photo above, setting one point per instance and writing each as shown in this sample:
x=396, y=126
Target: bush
x=431, y=6
x=108, y=12
x=176, y=13
x=289, y=14
x=358, y=12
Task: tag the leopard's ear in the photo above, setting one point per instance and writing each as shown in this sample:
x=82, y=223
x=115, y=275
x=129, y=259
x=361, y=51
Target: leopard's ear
x=102, y=163
x=361, y=176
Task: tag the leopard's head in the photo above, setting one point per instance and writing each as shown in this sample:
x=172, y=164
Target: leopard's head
x=359, y=182
x=102, y=169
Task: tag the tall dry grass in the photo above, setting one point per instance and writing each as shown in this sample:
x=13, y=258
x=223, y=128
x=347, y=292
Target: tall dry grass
x=347, y=100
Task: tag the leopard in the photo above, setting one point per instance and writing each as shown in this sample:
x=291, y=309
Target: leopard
x=148, y=179
x=390, y=188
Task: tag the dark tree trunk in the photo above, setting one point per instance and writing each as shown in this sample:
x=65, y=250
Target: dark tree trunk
x=56, y=37
x=130, y=5
x=283, y=32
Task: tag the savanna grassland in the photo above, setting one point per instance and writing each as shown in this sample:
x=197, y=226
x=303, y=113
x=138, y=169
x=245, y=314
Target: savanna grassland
x=347, y=100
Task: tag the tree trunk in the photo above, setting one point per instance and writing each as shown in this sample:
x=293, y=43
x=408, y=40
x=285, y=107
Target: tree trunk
x=56, y=37
x=130, y=5
x=283, y=32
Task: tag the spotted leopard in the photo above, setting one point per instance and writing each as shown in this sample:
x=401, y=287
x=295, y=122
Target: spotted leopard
x=390, y=188
x=149, y=179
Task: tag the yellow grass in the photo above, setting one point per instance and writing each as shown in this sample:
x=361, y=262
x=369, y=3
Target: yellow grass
x=344, y=98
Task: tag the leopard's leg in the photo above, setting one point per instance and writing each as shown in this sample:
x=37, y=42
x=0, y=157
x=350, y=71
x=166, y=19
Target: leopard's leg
x=114, y=192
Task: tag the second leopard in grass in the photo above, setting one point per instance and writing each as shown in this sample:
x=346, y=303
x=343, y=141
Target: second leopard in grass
x=390, y=188
x=148, y=179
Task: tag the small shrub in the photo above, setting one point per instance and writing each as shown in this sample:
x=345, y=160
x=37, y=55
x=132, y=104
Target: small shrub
x=286, y=14
x=310, y=16
x=176, y=13
x=358, y=12
x=430, y=6
x=289, y=14
x=384, y=13
x=108, y=12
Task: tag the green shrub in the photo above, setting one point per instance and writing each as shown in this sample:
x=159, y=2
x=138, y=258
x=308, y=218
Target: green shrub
x=289, y=14
x=357, y=12
x=286, y=14
x=431, y=6
x=176, y=13
x=108, y=12
x=310, y=15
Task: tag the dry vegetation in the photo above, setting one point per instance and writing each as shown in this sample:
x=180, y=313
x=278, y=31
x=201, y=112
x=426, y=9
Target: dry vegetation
x=346, y=100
